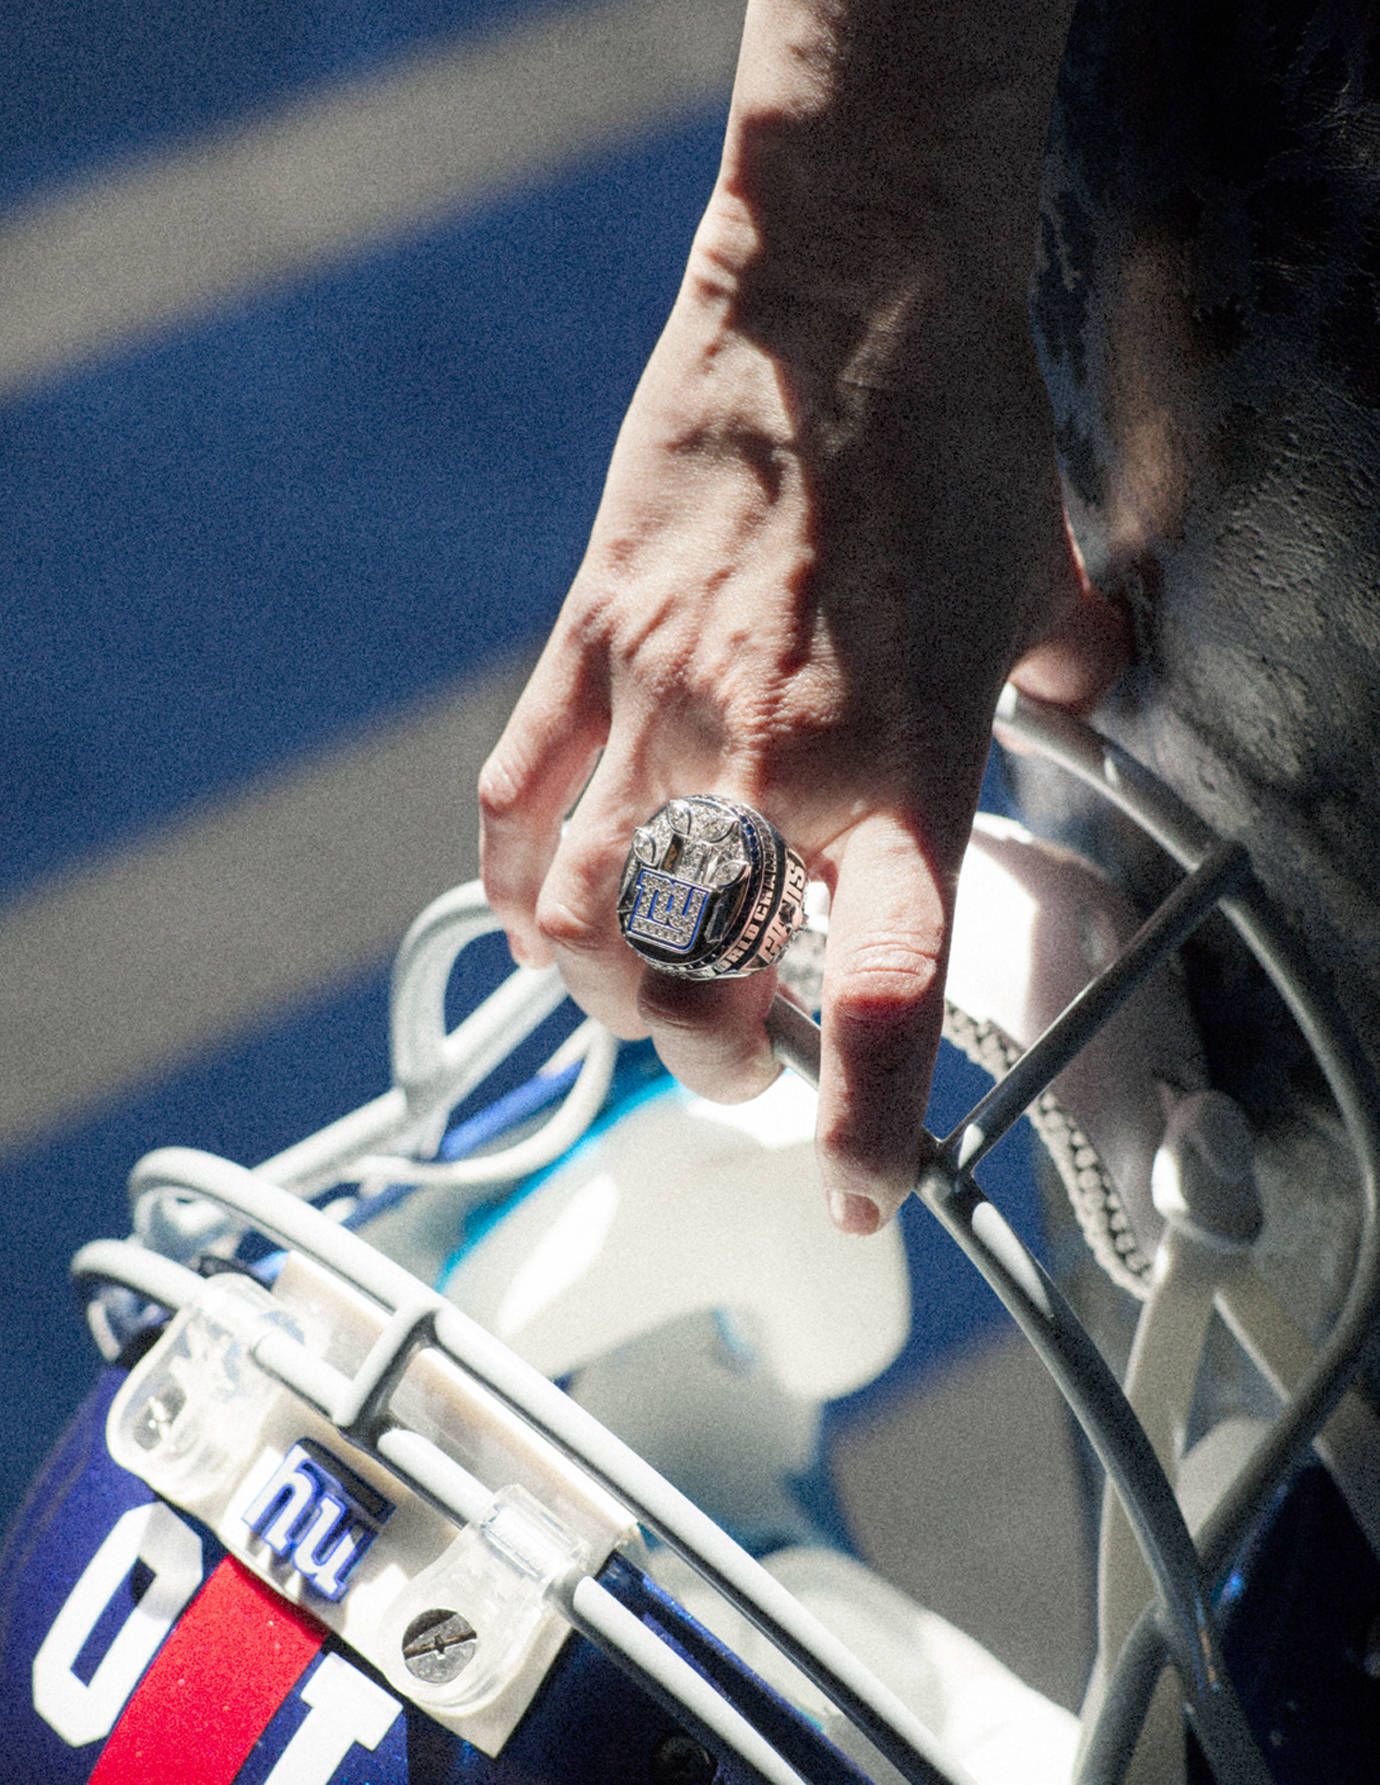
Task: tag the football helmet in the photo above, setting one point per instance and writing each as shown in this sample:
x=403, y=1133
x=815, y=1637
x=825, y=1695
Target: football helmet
x=476, y=1436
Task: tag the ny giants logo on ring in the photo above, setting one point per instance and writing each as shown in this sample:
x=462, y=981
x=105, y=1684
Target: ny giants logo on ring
x=317, y=1511
x=667, y=911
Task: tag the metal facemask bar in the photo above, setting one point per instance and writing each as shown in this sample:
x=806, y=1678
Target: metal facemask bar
x=433, y=1070
x=358, y=1407
x=187, y=1203
x=1184, y=1582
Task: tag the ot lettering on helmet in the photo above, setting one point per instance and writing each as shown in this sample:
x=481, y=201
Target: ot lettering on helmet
x=228, y=1654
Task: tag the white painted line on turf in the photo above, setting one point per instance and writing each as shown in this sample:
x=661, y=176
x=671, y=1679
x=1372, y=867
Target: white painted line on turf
x=138, y=959
x=163, y=239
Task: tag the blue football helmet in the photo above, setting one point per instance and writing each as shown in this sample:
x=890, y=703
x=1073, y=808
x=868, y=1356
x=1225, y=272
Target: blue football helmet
x=487, y=1447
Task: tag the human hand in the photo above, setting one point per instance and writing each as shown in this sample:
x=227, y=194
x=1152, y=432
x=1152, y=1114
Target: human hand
x=806, y=583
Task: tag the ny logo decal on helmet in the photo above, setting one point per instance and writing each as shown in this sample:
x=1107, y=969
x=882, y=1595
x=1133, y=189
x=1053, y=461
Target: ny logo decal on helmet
x=315, y=1510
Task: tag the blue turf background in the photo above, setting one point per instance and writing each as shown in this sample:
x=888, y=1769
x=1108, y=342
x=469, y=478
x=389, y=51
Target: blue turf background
x=88, y=81
x=236, y=544
x=241, y=541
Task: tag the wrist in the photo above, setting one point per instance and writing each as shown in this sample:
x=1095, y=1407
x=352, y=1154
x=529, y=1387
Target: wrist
x=844, y=294
x=868, y=137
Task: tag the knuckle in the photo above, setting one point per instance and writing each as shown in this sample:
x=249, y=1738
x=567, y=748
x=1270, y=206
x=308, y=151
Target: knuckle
x=883, y=982
x=848, y=1147
x=508, y=892
x=562, y=926
x=706, y=1039
x=877, y=1150
x=663, y=1004
x=500, y=791
x=586, y=621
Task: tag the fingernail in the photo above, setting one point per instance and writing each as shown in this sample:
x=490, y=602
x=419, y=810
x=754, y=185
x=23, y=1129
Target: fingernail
x=851, y=1213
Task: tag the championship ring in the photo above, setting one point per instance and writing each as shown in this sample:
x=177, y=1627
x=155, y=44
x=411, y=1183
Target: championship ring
x=710, y=890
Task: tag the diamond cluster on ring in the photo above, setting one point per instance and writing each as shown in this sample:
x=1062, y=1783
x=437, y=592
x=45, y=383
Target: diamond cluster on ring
x=710, y=889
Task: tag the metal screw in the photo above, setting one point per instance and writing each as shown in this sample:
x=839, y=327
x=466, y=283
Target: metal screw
x=681, y=1761
x=157, y=1415
x=438, y=1645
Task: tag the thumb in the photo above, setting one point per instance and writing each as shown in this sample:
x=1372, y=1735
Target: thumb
x=1084, y=649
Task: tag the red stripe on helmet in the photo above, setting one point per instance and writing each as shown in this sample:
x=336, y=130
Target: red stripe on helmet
x=214, y=1686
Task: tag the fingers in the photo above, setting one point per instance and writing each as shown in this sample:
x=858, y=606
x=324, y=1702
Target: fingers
x=576, y=913
x=1075, y=664
x=712, y=1034
x=557, y=895
x=530, y=781
x=1082, y=654
x=883, y=1010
